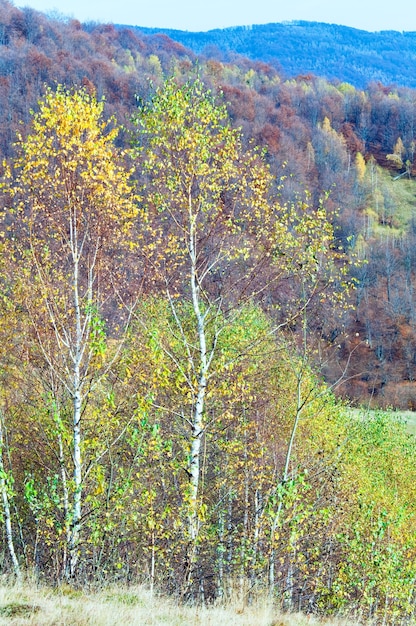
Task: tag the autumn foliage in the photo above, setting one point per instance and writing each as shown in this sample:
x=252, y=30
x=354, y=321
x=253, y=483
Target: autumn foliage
x=190, y=269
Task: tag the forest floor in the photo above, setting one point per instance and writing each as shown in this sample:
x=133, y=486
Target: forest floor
x=117, y=606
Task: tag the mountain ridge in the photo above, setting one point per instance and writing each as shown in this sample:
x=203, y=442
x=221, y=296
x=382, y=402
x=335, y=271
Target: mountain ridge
x=335, y=52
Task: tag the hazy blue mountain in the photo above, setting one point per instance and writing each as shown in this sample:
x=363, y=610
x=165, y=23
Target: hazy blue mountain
x=327, y=50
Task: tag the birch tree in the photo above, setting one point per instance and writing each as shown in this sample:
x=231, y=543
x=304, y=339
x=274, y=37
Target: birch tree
x=71, y=208
x=214, y=237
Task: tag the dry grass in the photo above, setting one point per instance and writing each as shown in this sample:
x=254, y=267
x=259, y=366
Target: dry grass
x=116, y=606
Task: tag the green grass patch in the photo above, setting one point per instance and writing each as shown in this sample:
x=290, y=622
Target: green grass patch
x=390, y=203
x=17, y=609
x=407, y=417
x=126, y=599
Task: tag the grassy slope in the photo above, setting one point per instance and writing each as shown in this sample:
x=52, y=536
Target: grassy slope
x=118, y=606
x=391, y=200
x=410, y=418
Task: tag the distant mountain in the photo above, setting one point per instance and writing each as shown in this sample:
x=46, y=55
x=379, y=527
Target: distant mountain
x=334, y=52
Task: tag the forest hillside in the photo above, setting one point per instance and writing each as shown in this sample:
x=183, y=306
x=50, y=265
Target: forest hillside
x=331, y=51
x=324, y=137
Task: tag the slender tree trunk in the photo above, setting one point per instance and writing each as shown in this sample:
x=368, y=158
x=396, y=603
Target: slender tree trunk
x=65, y=495
x=256, y=535
x=195, y=456
x=220, y=551
x=76, y=432
x=76, y=509
x=197, y=426
x=288, y=596
x=6, y=506
x=230, y=542
x=195, y=459
x=277, y=517
x=244, y=537
x=152, y=563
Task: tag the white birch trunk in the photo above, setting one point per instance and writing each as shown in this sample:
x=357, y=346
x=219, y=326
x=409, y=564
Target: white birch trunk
x=197, y=427
x=6, y=508
x=76, y=421
x=65, y=495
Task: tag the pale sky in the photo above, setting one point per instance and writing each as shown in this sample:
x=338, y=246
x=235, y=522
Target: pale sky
x=195, y=15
